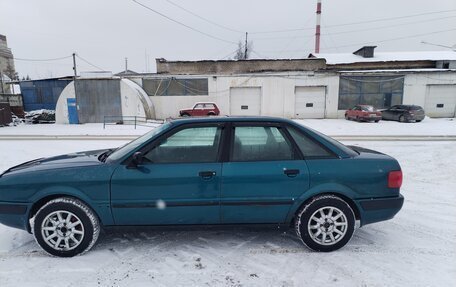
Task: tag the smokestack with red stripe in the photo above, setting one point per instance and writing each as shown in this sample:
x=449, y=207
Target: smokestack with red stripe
x=317, y=28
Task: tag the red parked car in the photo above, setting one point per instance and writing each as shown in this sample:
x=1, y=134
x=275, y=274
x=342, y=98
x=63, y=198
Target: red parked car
x=363, y=113
x=201, y=110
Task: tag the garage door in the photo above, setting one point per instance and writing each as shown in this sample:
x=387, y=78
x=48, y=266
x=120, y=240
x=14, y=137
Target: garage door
x=310, y=102
x=441, y=101
x=245, y=101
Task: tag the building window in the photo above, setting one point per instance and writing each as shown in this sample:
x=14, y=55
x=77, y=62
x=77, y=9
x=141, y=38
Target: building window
x=176, y=87
x=378, y=91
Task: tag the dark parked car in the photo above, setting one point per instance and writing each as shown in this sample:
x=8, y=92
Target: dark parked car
x=404, y=113
x=201, y=110
x=232, y=170
x=364, y=113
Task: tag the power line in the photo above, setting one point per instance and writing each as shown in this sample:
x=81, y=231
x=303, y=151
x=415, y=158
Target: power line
x=42, y=60
x=87, y=62
x=395, y=39
x=379, y=41
x=204, y=19
x=355, y=23
x=182, y=24
x=358, y=30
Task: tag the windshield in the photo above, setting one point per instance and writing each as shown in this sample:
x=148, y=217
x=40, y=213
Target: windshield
x=133, y=145
x=368, y=108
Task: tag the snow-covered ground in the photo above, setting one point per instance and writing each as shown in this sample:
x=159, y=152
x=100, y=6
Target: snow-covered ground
x=416, y=248
x=331, y=127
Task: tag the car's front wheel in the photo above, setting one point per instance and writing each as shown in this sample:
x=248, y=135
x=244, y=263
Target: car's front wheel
x=325, y=224
x=66, y=227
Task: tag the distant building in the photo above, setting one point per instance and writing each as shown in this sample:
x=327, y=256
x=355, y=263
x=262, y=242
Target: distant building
x=6, y=58
x=321, y=86
x=42, y=94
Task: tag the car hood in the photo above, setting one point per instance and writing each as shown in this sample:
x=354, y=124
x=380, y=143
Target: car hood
x=62, y=161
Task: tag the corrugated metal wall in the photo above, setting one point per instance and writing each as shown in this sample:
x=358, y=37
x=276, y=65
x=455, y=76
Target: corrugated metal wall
x=97, y=98
x=42, y=94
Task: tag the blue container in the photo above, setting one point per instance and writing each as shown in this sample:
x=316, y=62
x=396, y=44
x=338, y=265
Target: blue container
x=42, y=94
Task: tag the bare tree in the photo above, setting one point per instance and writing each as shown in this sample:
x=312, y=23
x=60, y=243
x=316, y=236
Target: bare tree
x=243, y=53
x=10, y=72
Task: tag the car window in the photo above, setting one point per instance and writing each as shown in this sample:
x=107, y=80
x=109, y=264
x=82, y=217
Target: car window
x=308, y=147
x=199, y=106
x=198, y=144
x=260, y=144
x=368, y=108
x=209, y=106
x=135, y=144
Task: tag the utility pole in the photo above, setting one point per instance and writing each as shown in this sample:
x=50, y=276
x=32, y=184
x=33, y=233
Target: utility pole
x=126, y=64
x=245, y=48
x=74, y=66
x=317, y=27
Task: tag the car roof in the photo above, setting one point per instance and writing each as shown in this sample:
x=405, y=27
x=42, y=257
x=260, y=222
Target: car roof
x=223, y=119
x=205, y=103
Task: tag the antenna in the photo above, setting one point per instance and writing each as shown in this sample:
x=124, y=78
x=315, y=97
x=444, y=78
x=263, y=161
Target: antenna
x=317, y=28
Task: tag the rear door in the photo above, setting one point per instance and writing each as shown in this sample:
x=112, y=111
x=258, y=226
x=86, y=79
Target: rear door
x=263, y=176
x=178, y=183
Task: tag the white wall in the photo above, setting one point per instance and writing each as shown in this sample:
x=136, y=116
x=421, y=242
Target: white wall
x=277, y=99
x=134, y=100
x=416, y=85
x=61, y=108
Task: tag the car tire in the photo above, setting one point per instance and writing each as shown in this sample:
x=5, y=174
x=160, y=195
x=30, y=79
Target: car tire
x=347, y=117
x=65, y=227
x=210, y=114
x=418, y=121
x=325, y=224
x=185, y=115
x=377, y=121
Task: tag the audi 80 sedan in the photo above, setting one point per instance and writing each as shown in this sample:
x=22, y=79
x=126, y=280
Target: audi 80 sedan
x=205, y=171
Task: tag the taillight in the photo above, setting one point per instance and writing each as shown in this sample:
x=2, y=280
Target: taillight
x=395, y=179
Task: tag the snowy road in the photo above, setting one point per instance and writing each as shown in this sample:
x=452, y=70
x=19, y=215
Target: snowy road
x=417, y=248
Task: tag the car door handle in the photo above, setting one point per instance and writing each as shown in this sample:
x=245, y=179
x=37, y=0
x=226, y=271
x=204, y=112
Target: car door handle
x=207, y=174
x=291, y=172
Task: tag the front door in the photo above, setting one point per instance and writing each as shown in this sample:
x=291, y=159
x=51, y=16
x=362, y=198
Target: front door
x=178, y=183
x=72, y=111
x=263, y=176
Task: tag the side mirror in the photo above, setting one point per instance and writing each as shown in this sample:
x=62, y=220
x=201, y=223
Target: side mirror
x=137, y=159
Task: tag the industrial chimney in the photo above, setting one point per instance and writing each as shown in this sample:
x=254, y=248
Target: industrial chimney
x=317, y=28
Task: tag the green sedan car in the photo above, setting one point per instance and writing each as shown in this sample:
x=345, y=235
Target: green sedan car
x=205, y=171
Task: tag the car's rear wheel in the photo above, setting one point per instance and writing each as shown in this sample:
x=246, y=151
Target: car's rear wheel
x=66, y=227
x=211, y=114
x=185, y=115
x=402, y=119
x=418, y=121
x=347, y=117
x=325, y=224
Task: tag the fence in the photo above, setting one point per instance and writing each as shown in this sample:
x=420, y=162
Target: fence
x=129, y=120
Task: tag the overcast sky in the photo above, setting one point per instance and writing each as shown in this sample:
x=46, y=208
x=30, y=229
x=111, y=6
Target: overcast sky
x=104, y=32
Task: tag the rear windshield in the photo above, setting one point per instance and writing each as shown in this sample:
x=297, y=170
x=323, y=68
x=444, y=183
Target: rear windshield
x=336, y=143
